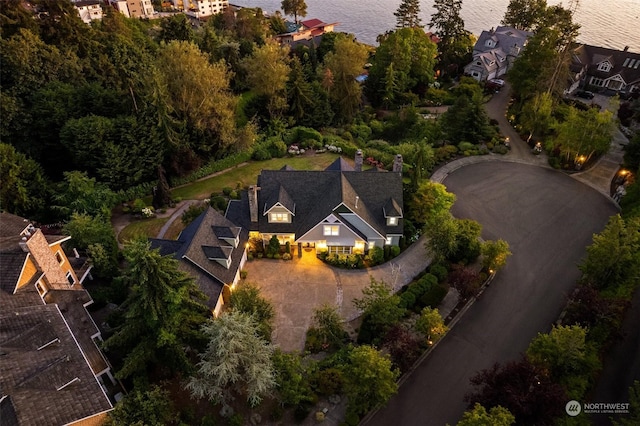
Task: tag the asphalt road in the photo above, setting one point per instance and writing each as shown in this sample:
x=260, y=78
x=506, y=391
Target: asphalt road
x=548, y=219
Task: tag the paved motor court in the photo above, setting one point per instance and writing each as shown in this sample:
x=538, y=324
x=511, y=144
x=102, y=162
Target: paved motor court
x=296, y=287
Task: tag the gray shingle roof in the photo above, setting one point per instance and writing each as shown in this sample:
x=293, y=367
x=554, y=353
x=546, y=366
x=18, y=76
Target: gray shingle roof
x=392, y=208
x=205, y=239
x=504, y=37
x=32, y=378
x=10, y=268
x=317, y=193
x=340, y=165
x=624, y=63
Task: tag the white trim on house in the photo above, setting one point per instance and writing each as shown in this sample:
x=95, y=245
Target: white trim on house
x=83, y=356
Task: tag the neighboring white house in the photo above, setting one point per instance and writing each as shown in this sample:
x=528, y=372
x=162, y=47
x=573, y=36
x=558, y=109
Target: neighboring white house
x=201, y=8
x=88, y=10
x=495, y=51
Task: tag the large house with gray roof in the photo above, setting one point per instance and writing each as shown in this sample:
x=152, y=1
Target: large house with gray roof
x=608, y=70
x=52, y=371
x=495, y=52
x=341, y=209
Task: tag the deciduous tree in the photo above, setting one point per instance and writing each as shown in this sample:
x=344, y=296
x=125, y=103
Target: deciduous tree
x=196, y=93
x=345, y=63
x=431, y=325
x=236, y=361
x=371, y=380
x=614, y=257
x=379, y=305
x=152, y=407
x=430, y=202
x=267, y=71
x=23, y=188
x=478, y=416
x=525, y=15
x=494, y=254
x=565, y=353
x=521, y=388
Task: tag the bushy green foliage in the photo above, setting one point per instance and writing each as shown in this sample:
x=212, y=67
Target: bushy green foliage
x=328, y=381
x=327, y=332
x=192, y=213
x=376, y=255
x=478, y=416
x=273, y=248
x=370, y=379
x=439, y=270
x=151, y=407
x=347, y=261
x=434, y=296
x=380, y=307
x=246, y=298
x=218, y=202
x=292, y=379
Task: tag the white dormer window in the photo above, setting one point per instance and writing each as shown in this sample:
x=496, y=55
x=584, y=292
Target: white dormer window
x=279, y=218
x=392, y=221
x=604, y=66
x=331, y=230
x=489, y=43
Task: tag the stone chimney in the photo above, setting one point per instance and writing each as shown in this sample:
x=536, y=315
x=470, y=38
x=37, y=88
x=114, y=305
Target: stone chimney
x=253, y=202
x=358, y=160
x=397, y=163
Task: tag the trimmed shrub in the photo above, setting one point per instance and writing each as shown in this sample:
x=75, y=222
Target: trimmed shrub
x=440, y=271
x=466, y=146
x=261, y=153
x=218, y=202
x=226, y=190
x=376, y=255
x=433, y=297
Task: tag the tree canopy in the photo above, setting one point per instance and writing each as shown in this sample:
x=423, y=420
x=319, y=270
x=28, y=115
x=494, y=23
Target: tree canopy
x=236, y=360
x=295, y=8
x=162, y=313
x=407, y=14
x=403, y=63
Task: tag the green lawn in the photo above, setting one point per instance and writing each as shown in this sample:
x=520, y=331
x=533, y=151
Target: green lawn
x=247, y=175
x=144, y=227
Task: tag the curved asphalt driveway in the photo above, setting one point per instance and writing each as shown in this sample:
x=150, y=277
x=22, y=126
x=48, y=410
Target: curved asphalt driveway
x=548, y=219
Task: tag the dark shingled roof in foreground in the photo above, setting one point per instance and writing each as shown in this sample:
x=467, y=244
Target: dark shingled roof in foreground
x=44, y=373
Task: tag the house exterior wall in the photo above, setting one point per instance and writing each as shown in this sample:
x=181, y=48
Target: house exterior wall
x=345, y=237
x=28, y=271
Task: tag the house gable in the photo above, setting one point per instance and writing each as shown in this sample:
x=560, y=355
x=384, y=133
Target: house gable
x=334, y=231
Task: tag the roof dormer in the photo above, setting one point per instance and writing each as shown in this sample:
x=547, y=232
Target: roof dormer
x=605, y=66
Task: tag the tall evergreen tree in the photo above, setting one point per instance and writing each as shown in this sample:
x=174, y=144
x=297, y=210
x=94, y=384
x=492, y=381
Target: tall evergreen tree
x=162, y=313
x=455, y=43
x=407, y=14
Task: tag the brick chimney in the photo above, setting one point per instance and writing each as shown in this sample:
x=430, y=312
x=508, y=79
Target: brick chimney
x=397, y=163
x=253, y=202
x=358, y=160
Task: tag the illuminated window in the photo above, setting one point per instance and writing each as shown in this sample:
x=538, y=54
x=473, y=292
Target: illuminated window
x=388, y=241
x=331, y=230
x=279, y=217
x=392, y=221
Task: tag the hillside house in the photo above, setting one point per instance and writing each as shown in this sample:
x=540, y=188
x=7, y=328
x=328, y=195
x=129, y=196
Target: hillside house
x=609, y=71
x=495, y=52
x=52, y=371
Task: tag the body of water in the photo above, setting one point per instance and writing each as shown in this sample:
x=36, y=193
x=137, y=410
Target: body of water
x=607, y=23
